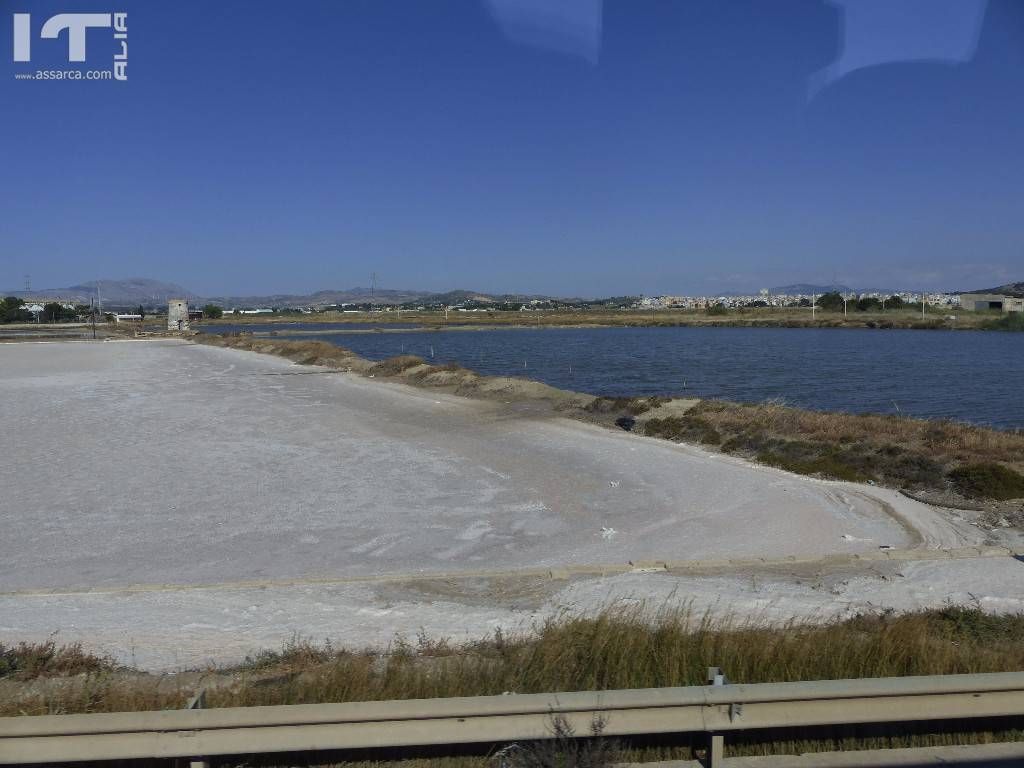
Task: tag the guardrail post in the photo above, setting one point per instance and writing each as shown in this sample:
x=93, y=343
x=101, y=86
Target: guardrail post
x=198, y=702
x=715, y=755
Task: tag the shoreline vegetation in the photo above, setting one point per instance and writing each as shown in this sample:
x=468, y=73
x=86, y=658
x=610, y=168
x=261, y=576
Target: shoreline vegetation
x=941, y=462
x=935, y=318
x=619, y=648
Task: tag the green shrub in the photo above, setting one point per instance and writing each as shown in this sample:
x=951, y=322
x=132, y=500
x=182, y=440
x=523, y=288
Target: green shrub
x=831, y=301
x=988, y=480
x=828, y=465
x=913, y=469
x=1012, y=321
x=973, y=623
x=688, y=428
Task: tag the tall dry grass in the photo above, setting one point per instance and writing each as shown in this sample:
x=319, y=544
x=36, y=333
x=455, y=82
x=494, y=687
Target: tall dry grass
x=622, y=648
x=901, y=452
x=947, y=439
x=30, y=661
x=617, y=649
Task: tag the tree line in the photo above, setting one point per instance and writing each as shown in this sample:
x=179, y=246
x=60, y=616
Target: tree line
x=833, y=302
x=13, y=310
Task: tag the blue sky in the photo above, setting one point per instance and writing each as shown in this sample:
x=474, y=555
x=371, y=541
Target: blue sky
x=630, y=146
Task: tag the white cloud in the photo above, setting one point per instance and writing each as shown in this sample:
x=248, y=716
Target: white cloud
x=572, y=27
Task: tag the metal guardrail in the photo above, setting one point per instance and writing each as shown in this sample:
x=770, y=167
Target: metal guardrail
x=715, y=710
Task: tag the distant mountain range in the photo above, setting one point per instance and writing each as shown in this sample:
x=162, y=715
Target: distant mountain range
x=1009, y=289
x=355, y=295
x=151, y=293
x=810, y=288
x=360, y=295
x=131, y=292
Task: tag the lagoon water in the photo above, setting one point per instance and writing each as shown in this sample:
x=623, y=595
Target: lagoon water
x=972, y=376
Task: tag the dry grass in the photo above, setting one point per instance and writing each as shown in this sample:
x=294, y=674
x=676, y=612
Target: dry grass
x=630, y=648
x=947, y=439
x=565, y=749
x=754, y=317
x=911, y=453
x=634, y=406
x=779, y=317
x=626, y=648
x=30, y=661
x=396, y=365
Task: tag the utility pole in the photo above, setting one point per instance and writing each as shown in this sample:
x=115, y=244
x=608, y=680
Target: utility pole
x=373, y=288
x=814, y=301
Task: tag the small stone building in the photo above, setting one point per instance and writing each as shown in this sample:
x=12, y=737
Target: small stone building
x=177, y=315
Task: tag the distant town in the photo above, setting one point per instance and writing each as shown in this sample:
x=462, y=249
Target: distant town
x=134, y=300
x=763, y=299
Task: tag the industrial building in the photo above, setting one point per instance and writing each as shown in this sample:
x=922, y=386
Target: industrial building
x=997, y=302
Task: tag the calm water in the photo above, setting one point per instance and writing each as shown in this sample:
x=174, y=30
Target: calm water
x=965, y=375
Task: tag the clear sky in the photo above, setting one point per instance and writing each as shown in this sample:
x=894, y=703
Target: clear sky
x=630, y=146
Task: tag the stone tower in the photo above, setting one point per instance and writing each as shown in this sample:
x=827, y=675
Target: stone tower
x=177, y=315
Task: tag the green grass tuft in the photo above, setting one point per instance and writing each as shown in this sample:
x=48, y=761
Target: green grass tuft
x=829, y=465
x=988, y=480
x=1012, y=321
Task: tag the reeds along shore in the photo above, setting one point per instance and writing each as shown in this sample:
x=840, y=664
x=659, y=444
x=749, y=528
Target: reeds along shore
x=935, y=318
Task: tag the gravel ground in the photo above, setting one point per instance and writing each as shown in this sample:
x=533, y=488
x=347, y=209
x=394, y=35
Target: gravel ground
x=169, y=463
